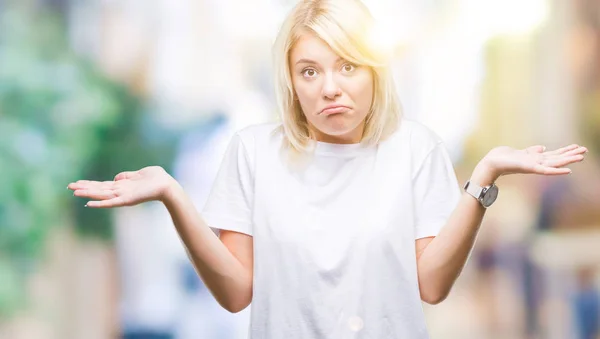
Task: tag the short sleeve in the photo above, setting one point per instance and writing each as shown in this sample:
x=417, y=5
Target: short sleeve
x=436, y=192
x=229, y=203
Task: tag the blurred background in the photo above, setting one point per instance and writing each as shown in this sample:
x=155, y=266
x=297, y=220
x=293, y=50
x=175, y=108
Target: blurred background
x=90, y=88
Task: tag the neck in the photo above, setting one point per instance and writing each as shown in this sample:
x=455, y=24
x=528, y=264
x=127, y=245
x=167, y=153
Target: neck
x=353, y=137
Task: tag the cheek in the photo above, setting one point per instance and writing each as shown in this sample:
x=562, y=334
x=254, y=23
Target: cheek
x=362, y=92
x=306, y=96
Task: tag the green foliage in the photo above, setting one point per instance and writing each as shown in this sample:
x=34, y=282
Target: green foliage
x=60, y=120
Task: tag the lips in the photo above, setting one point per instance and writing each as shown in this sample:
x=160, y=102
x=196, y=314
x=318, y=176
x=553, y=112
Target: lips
x=334, y=109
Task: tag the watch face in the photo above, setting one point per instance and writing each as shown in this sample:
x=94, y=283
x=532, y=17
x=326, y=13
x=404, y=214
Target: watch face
x=490, y=196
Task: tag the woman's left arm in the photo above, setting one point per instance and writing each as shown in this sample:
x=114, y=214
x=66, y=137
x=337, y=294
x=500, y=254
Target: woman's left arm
x=441, y=259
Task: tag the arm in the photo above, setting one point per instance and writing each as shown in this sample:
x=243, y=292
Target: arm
x=441, y=259
x=226, y=264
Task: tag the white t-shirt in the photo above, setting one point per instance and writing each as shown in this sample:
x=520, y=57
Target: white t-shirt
x=334, y=246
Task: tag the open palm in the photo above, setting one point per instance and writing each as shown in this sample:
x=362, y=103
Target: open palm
x=534, y=160
x=127, y=189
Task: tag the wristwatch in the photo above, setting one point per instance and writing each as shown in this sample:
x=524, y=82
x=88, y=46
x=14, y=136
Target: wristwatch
x=485, y=195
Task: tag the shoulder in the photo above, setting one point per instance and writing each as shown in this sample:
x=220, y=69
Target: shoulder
x=259, y=130
x=258, y=135
x=420, y=137
x=422, y=142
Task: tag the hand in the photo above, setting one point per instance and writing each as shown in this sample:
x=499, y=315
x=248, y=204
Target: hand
x=127, y=189
x=533, y=160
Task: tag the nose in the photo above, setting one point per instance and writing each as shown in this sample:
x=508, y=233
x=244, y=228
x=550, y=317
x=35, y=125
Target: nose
x=330, y=89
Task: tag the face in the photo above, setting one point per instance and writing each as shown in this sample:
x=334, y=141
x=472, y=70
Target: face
x=335, y=95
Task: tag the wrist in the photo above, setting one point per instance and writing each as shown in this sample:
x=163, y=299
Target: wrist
x=170, y=192
x=484, y=174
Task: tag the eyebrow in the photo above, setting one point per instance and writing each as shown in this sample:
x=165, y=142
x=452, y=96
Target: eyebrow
x=308, y=61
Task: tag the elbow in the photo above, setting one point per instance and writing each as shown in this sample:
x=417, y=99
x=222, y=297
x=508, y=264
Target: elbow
x=434, y=290
x=433, y=300
x=235, y=308
x=236, y=305
x=434, y=297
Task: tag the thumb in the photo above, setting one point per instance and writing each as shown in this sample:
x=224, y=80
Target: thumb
x=124, y=175
x=536, y=149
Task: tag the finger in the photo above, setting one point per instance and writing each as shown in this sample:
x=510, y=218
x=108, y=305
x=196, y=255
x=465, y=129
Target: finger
x=114, y=202
x=124, y=175
x=563, y=149
x=536, y=149
x=81, y=184
x=541, y=169
x=575, y=151
x=563, y=160
x=91, y=185
x=95, y=194
x=578, y=150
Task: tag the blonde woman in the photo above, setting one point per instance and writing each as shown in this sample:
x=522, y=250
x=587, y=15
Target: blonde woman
x=341, y=219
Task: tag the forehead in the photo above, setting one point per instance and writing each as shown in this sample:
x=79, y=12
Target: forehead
x=312, y=48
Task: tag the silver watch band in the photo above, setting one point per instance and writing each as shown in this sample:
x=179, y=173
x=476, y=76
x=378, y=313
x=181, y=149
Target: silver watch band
x=473, y=189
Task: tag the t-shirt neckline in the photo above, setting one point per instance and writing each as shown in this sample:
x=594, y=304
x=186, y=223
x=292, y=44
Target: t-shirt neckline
x=333, y=149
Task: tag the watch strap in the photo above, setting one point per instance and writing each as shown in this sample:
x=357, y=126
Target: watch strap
x=473, y=189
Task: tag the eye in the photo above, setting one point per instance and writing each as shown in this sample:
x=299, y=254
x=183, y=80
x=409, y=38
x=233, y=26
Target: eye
x=309, y=72
x=348, y=68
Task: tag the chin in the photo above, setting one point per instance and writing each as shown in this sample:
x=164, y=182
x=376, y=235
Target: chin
x=336, y=132
x=338, y=128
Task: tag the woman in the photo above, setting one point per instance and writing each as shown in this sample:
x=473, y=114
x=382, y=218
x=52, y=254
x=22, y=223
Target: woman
x=338, y=221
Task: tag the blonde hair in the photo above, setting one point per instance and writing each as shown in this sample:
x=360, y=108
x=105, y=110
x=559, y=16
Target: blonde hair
x=347, y=27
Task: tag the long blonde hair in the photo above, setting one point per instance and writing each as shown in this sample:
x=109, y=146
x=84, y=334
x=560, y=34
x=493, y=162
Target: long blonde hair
x=347, y=27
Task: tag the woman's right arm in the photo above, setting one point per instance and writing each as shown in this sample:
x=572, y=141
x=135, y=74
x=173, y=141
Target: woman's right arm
x=225, y=264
